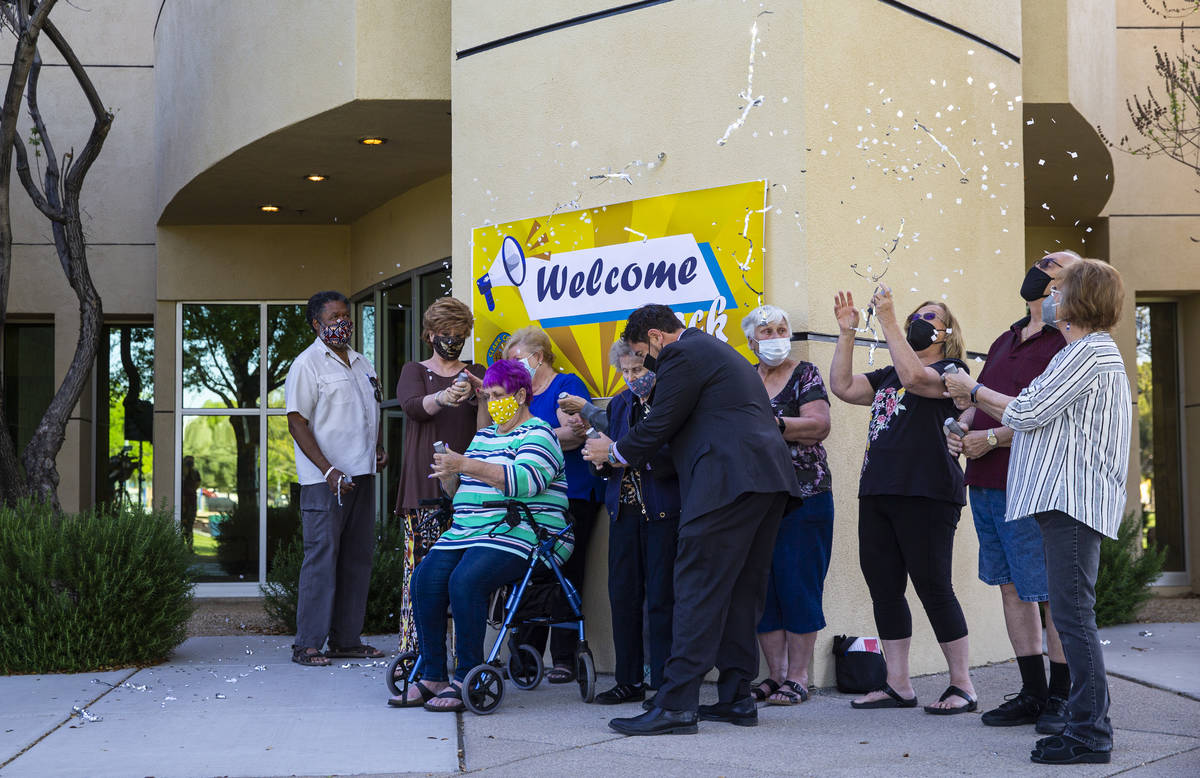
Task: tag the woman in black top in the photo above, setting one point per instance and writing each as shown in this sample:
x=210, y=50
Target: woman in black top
x=911, y=490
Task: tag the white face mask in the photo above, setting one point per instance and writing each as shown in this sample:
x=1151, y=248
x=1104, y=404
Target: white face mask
x=529, y=366
x=774, y=350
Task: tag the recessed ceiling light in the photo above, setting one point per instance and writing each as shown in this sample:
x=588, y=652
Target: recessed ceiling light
x=316, y=178
x=268, y=208
x=372, y=140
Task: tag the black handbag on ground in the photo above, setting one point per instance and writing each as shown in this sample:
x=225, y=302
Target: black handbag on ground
x=858, y=664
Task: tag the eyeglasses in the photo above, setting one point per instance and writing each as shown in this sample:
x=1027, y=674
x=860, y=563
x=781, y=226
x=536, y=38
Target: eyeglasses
x=927, y=316
x=1046, y=262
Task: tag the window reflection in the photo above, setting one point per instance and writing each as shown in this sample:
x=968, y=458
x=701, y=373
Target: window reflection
x=125, y=416
x=283, y=490
x=220, y=356
x=224, y=452
x=288, y=334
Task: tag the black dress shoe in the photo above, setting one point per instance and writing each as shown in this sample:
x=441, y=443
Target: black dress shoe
x=1054, y=717
x=621, y=693
x=742, y=713
x=1018, y=709
x=658, y=722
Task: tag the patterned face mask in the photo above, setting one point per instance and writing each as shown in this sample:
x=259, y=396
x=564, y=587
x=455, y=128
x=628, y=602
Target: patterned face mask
x=504, y=409
x=448, y=347
x=338, y=333
x=642, y=385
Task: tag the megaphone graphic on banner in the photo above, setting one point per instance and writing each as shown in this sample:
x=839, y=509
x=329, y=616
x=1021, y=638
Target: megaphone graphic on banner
x=507, y=269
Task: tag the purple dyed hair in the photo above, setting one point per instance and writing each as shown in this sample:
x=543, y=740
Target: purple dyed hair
x=511, y=375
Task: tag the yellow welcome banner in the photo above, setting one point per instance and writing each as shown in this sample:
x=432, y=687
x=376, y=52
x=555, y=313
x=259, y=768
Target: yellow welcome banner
x=579, y=274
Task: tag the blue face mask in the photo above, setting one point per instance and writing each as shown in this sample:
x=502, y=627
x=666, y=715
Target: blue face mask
x=531, y=368
x=642, y=385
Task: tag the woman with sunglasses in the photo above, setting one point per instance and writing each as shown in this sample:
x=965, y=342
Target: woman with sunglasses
x=910, y=491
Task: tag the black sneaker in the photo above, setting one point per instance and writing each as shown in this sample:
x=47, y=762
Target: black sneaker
x=1054, y=716
x=1018, y=709
x=621, y=693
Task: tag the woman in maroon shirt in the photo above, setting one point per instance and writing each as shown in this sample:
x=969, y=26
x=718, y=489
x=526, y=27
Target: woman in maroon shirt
x=436, y=407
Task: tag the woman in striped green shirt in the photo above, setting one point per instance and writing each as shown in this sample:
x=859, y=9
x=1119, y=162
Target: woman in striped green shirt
x=516, y=458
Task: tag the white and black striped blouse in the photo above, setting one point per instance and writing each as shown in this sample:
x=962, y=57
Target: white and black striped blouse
x=1070, y=449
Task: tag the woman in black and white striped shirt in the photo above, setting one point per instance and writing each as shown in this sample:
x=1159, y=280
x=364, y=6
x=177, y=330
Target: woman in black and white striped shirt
x=1070, y=452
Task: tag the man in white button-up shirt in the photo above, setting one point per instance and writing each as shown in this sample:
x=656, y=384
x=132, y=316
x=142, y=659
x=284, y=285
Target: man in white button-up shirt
x=333, y=399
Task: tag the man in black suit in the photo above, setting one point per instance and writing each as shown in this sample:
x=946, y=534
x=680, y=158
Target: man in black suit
x=736, y=479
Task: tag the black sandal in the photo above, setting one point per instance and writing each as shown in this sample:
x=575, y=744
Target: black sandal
x=450, y=693
x=953, y=691
x=560, y=674
x=893, y=700
x=309, y=657
x=759, y=693
x=426, y=693
x=361, y=651
x=792, y=693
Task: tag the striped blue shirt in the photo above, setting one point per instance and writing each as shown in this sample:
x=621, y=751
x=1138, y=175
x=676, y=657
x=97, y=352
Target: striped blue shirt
x=1070, y=447
x=534, y=474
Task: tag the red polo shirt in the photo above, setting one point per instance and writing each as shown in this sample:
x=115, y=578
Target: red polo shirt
x=1012, y=364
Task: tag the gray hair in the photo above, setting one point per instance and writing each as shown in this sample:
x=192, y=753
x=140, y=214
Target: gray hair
x=619, y=350
x=764, y=314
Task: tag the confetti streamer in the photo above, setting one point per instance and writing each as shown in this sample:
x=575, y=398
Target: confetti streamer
x=748, y=93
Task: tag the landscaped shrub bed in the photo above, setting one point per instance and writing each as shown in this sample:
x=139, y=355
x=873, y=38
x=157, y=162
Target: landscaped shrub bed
x=98, y=589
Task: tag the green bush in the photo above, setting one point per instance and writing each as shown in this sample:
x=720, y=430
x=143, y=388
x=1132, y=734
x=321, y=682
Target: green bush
x=100, y=589
x=1126, y=572
x=383, y=599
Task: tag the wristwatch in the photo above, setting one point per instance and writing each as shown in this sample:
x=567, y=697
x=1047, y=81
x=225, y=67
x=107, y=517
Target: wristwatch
x=992, y=441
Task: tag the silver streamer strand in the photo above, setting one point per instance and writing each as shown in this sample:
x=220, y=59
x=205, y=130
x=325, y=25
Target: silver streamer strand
x=748, y=93
x=744, y=266
x=875, y=277
x=945, y=150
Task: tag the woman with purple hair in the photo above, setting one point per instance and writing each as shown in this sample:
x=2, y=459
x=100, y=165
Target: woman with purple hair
x=518, y=457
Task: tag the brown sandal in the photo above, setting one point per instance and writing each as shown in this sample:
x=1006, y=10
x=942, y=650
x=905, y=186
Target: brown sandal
x=309, y=657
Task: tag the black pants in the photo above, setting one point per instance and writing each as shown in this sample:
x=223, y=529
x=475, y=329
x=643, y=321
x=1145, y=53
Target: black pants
x=910, y=537
x=641, y=569
x=564, y=641
x=721, y=570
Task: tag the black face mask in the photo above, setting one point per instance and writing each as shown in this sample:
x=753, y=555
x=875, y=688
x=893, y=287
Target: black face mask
x=921, y=335
x=650, y=362
x=448, y=347
x=1034, y=286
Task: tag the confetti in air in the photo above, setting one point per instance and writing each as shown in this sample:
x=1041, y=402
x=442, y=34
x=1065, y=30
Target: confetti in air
x=748, y=93
x=945, y=150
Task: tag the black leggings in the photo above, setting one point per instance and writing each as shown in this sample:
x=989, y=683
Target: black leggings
x=910, y=537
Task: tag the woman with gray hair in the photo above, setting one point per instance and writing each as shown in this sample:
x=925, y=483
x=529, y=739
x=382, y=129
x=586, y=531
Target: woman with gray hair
x=643, y=508
x=792, y=615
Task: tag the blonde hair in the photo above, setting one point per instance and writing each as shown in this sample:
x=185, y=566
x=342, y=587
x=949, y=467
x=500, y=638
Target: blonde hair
x=446, y=314
x=955, y=345
x=1092, y=294
x=764, y=314
x=533, y=339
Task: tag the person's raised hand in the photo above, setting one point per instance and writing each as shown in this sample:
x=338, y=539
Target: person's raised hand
x=571, y=403
x=883, y=304
x=954, y=444
x=456, y=392
x=845, y=312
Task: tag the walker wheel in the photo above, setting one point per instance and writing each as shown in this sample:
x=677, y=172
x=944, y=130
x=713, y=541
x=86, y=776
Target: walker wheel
x=483, y=689
x=525, y=667
x=585, y=674
x=398, y=673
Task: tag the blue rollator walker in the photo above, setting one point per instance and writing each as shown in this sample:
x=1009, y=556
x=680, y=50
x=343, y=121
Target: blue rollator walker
x=483, y=686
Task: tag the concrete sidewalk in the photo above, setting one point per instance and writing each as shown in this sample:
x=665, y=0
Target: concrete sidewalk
x=218, y=709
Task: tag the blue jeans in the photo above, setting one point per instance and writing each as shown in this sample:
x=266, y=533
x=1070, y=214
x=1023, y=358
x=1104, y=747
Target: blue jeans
x=798, y=567
x=464, y=579
x=1072, y=560
x=1009, y=551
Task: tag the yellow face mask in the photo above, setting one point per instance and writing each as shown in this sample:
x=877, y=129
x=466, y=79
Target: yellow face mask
x=504, y=409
